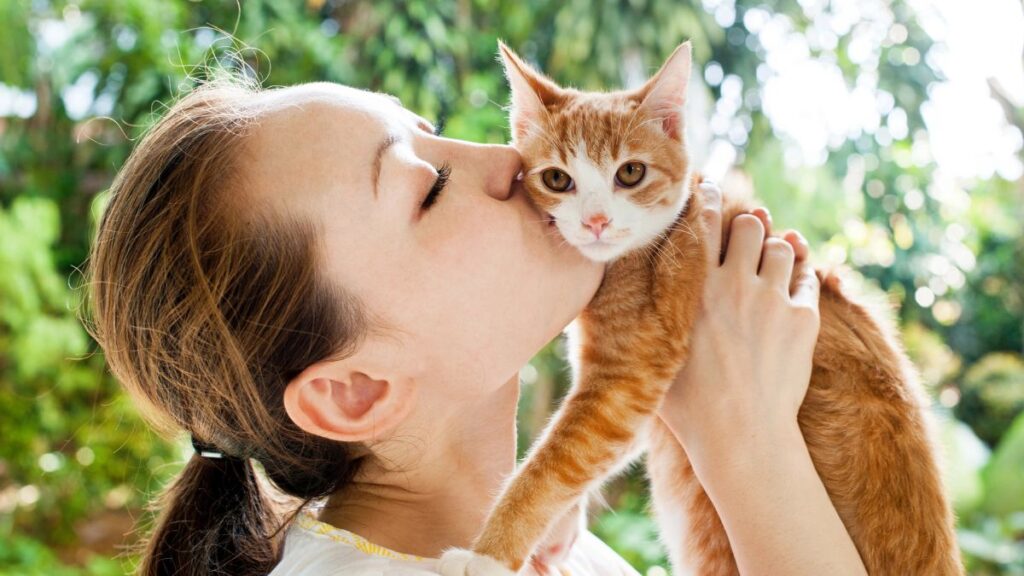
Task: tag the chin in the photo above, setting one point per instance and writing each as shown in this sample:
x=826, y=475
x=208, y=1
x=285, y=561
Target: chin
x=603, y=252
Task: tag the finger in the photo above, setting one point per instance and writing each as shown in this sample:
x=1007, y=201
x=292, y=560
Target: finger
x=746, y=236
x=765, y=217
x=799, y=244
x=712, y=215
x=807, y=287
x=777, y=258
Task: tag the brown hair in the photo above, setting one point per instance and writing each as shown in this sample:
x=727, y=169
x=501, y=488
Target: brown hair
x=206, y=307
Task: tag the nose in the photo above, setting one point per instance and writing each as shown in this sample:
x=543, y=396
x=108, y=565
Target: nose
x=501, y=165
x=490, y=168
x=597, y=224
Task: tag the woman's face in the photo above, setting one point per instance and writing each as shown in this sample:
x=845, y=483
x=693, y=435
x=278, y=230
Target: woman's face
x=468, y=286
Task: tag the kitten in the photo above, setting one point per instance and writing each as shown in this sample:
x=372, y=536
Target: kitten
x=612, y=171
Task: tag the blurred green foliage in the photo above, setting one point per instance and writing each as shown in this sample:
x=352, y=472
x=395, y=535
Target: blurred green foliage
x=993, y=395
x=81, y=80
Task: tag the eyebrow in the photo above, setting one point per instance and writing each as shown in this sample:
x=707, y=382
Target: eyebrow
x=388, y=142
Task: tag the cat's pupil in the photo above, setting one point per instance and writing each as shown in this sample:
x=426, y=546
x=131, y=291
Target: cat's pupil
x=630, y=174
x=557, y=180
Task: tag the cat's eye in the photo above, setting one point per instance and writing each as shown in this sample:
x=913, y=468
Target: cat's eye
x=630, y=174
x=556, y=180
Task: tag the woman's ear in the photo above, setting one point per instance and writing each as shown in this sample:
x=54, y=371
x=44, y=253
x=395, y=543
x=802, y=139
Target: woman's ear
x=340, y=401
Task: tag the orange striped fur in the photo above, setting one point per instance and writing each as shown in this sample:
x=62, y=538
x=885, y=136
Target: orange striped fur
x=865, y=418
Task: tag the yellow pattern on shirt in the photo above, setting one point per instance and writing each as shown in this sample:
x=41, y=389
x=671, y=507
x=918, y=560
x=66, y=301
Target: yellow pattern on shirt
x=306, y=520
x=309, y=522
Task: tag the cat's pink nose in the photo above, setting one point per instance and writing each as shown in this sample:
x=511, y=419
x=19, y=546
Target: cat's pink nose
x=597, y=224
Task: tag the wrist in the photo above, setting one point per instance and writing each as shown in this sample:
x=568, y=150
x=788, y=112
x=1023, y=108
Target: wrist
x=739, y=447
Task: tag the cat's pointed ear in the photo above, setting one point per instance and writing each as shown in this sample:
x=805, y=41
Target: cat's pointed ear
x=532, y=92
x=665, y=93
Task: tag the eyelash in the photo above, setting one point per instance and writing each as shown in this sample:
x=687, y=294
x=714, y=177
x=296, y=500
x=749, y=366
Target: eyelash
x=439, y=125
x=443, y=174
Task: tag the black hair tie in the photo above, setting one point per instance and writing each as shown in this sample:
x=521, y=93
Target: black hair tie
x=206, y=450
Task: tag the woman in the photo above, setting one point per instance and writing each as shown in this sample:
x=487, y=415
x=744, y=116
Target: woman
x=286, y=275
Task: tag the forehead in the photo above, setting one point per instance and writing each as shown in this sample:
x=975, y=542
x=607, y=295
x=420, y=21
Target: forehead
x=328, y=102
x=600, y=127
x=316, y=138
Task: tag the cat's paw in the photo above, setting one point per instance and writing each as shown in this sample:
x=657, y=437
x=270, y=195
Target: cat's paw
x=555, y=547
x=459, y=562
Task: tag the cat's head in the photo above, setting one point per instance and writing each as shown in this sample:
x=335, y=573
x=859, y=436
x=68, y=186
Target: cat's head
x=610, y=169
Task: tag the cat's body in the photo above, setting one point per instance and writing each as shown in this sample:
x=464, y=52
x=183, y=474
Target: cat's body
x=864, y=418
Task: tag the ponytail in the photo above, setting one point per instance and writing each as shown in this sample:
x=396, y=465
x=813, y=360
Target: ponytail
x=213, y=519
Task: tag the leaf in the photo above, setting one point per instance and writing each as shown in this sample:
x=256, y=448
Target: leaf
x=1003, y=477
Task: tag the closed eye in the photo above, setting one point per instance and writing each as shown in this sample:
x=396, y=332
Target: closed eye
x=443, y=174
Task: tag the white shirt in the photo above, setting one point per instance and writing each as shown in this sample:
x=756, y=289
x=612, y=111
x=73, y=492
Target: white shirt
x=314, y=548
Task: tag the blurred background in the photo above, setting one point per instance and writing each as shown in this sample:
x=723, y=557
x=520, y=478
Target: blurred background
x=888, y=131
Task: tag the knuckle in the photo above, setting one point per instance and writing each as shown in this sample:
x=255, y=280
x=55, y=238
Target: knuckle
x=737, y=290
x=805, y=276
x=711, y=212
x=808, y=314
x=780, y=248
x=711, y=193
x=743, y=292
x=766, y=290
x=811, y=281
x=748, y=223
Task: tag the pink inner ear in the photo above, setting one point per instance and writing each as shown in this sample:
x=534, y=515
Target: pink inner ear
x=671, y=125
x=358, y=396
x=664, y=94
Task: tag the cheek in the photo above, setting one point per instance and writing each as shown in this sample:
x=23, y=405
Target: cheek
x=628, y=214
x=568, y=215
x=474, y=255
x=468, y=238
x=494, y=287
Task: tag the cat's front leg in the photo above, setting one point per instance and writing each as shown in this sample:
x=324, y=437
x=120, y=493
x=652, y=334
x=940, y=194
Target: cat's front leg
x=594, y=429
x=552, y=552
x=556, y=546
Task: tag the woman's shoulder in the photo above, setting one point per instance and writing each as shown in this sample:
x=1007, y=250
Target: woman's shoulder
x=314, y=548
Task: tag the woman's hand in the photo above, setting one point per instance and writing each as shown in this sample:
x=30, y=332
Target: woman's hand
x=734, y=407
x=753, y=340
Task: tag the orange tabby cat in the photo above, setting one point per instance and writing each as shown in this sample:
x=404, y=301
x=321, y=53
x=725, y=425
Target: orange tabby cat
x=612, y=171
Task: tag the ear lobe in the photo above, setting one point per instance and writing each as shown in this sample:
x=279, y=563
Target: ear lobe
x=349, y=407
x=665, y=93
x=532, y=92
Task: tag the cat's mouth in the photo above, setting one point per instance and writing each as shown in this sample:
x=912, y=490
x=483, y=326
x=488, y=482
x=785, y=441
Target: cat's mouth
x=597, y=249
x=601, y=250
